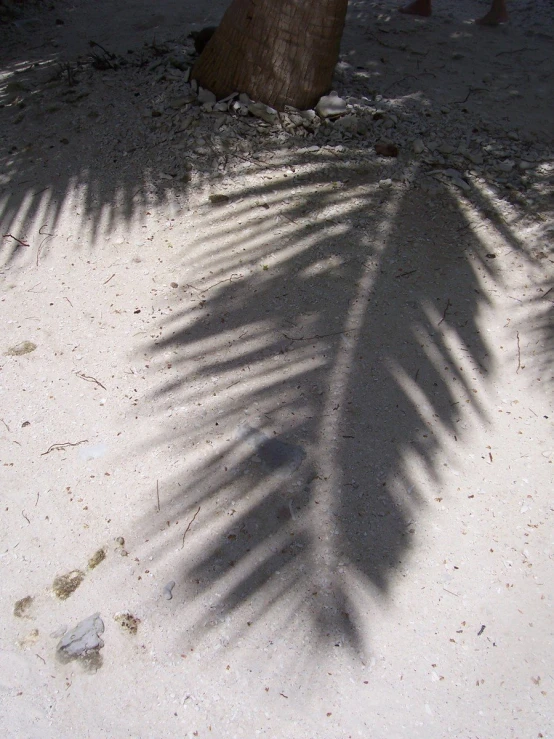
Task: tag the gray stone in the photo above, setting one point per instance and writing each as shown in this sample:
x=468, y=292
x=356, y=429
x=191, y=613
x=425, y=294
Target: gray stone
x=179, y=62
x=456, y=178
x=462, y=184
x=308, y=115
x=330, y=106
x=168, y=590
x=430, y=187
x=230, y=97
x=83, y=639
x=296, y=119
x=206, y=96
x=244, y=99
x=348, y=124
x=179, y=102
x=265, y=112
x=475, y=157
x=506, y=165
x=418, y=146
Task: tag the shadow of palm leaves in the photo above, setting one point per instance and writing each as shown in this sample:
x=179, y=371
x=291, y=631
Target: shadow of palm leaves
x=333, y=325
x=95, y=145
x=325, y=317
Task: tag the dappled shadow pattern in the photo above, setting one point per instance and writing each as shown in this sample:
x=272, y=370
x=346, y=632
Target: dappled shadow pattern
x=339, y=318
x=362, y=347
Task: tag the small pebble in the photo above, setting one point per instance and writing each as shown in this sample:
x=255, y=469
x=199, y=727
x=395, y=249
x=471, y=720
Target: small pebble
x=259, y=110
x=84, y=638
x=168, y=590
x=506, y=166
x=330, y=106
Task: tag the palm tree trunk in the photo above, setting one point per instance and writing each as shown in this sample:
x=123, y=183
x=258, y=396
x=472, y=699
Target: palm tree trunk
x=279, y=52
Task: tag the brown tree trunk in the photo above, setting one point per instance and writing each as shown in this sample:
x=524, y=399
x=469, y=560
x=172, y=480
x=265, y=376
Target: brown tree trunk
x=279, y=52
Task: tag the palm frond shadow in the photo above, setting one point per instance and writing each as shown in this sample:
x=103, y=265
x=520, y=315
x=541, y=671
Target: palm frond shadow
x=359, y=344
x=324, y=317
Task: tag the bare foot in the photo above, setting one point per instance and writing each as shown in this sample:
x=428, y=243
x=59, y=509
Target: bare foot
x=418, y=7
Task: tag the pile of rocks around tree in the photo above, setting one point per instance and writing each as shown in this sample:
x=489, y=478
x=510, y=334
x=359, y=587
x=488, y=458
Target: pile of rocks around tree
x=145, y=107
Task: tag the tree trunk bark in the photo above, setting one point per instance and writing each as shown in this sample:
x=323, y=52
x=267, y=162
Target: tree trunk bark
x=279, y=52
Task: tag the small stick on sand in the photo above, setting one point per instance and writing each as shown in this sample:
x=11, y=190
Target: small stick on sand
x=190, y=524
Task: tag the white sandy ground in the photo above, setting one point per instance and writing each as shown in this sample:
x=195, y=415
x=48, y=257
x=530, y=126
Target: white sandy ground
x=399, y=583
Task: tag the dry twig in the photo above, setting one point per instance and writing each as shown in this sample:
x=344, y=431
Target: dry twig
x=190, y=524
x=88, y=378
x=448, y=304
x=10, y=236
x=60, y=447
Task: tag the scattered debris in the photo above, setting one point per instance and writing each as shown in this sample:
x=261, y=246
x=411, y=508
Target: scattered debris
x=128, y=622
x=120, y=541
x=103, y=60
x=26, y=347
x=22, y=606
x=96, y=558
x=218, y=199
x=88, y=378
x=265, y=112
x=63, y=445
x=19, y=241
x=64, y=585
x=29, y=640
